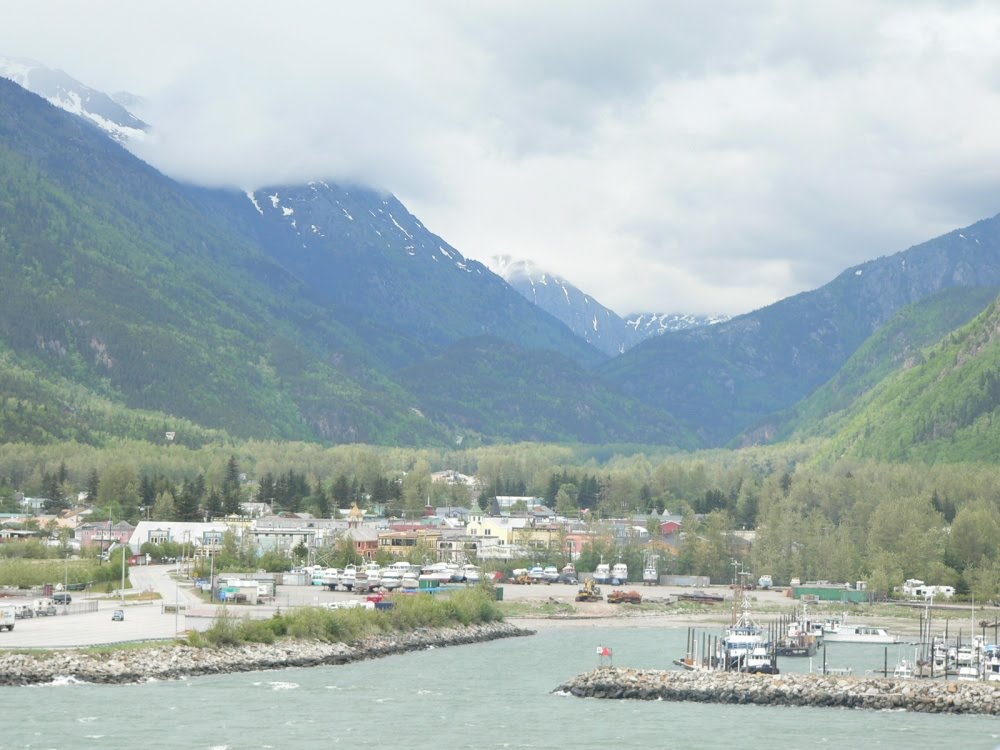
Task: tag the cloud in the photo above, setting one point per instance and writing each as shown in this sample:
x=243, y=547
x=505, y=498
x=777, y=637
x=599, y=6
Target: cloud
x=662, y=156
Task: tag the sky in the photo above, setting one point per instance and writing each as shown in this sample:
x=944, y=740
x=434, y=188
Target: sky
x=662, y=156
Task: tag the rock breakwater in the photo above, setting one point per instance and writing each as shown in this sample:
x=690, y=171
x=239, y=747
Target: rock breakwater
x=878, y=693
x=175, y=662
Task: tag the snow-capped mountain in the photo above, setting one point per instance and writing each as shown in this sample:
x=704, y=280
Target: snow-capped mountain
x=585, y=316
x=653, y=324
x=65, y=92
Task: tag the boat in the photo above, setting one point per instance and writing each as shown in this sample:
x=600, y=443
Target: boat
x=649, y=576
x=374, y=573
x=835, y=631
x=330, y=578
x=348, y=577
x=744, y=646
x=471, y=573
x=602, y=574
x=802, y=638
x=619, y=574
x=438, y=573
x=409, y=580
x=550, y=574
x=536, y=574
x=391, y=579
x=991, y=663
x=903, y=670
x=968, y=674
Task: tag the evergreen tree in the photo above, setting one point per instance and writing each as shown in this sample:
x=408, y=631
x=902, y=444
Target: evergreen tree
x=186, y=505
x=93, y=486
x=321, y=501
x=213, y=505
x=341, y=491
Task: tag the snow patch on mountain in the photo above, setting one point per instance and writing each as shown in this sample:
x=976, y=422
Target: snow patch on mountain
x=67, y=93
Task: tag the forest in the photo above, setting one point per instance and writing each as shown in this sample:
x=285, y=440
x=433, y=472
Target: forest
x=842, y=521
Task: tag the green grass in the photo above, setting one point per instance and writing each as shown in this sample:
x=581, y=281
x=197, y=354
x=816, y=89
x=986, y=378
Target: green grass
x=467, y=607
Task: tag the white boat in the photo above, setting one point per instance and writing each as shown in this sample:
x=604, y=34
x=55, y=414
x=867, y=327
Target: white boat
x=551, y=574
x=968, y=674
x=840, y=632
x=991, y=663
x=619, y=574
x=391, y=580
x=330, y=578
x=649, y=576
x=536, y=574
x=374, y=573
x=602, y=574
x=348, y=577
x=440, y=572
x=409, y=580
x=744, y=646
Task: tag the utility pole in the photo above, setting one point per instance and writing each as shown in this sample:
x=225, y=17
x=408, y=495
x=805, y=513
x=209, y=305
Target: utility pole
x=123, y=575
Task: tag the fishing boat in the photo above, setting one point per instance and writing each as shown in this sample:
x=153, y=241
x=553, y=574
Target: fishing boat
x=744, y=646
x=550, y=574
x=649, y=576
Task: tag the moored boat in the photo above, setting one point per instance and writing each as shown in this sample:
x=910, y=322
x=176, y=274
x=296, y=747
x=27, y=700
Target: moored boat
x=841, y=632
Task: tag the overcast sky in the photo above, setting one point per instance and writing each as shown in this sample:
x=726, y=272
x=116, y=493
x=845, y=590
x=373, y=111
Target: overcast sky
x=663, y=156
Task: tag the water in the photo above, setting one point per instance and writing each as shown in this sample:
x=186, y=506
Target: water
x=495, y=695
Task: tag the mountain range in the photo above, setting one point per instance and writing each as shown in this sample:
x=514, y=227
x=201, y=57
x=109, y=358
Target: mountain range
x=131, y=304
x=599, y=326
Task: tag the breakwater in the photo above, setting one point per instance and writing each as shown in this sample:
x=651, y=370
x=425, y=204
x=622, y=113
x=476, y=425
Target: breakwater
x=879, y=693
x=175, y=662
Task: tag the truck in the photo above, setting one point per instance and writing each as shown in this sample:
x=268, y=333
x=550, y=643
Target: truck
x=6, y=617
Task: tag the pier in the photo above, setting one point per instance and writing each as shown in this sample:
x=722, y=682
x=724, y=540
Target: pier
x=878, y=693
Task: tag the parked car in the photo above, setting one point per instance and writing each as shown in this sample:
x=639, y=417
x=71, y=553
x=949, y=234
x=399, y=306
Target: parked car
x=62, y=598
x=118, y=615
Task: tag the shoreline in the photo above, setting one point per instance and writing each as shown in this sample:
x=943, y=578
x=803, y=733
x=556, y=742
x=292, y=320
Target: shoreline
x=182, y=661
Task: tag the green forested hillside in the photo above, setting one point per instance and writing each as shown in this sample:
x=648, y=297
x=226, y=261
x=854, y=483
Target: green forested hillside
x=723, y=379
x=895, y=345
x=940, y=409
x=533, y=395
x=113, y=280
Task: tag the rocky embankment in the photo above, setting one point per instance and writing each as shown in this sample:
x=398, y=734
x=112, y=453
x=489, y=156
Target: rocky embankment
x=929, y=696
x=174, y=662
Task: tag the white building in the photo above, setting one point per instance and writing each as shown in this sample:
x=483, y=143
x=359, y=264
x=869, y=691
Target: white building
x=203, y=537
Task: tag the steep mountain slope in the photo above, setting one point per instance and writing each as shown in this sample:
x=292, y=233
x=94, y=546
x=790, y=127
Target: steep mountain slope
x=945, y=408
x=113, y=280
x=582, y=314
x=63, y=91
x=489, y=386
x=363, y=250
x=896, y=345
x=585, y=316
x=722, y=379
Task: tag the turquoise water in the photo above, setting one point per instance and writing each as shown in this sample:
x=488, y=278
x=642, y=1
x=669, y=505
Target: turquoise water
x=494, y=695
